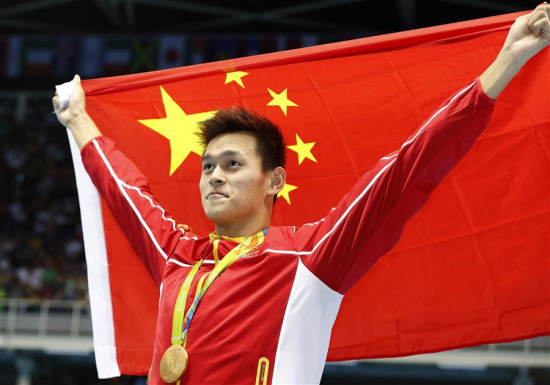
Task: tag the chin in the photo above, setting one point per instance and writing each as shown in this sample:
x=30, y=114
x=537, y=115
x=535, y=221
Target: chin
x=216, y=216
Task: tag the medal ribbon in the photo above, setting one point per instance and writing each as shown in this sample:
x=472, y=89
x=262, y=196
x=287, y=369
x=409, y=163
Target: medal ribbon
x=179, y=334
x=179, y=309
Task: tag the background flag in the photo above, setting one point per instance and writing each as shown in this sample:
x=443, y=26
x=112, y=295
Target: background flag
x=472, y=267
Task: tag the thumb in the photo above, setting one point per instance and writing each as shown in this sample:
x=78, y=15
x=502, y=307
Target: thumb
x=77, y=79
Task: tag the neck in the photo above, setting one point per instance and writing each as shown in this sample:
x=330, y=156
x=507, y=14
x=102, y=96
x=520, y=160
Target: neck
x=245, y=230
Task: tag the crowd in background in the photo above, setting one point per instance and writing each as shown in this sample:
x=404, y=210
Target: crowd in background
x=41, y=247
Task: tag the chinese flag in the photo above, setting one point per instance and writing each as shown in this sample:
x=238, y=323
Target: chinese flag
x=472, y=267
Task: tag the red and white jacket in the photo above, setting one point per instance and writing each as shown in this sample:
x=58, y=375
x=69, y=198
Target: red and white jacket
x=273, y=311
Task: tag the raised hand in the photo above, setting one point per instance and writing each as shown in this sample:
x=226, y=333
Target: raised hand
x=77, y=104
x=529, y=34
x=74, y=115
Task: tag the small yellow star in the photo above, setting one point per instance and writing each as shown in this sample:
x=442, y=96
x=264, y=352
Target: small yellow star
x=285, y=192
x=281, y=100
x=303, y=150
x=235, y=76
x=179, y=128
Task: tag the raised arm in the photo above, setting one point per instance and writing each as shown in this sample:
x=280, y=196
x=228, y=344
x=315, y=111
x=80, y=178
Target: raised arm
x=528, y=36
x=150, y=229
x=368, y=221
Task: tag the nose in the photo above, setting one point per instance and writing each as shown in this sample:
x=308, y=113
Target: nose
x=217, y=178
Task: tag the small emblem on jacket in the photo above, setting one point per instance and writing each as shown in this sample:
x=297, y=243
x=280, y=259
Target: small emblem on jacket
x=263, y=371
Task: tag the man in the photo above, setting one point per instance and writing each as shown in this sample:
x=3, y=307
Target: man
x=272, y=293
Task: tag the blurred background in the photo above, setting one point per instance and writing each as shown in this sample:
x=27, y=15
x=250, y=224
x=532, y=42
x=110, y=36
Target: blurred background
x=45, y=327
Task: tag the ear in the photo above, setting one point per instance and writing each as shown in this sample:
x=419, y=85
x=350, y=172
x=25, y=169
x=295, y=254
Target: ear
x=278, y=180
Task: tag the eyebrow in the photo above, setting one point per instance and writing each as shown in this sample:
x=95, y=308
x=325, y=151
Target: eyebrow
x=226, y=153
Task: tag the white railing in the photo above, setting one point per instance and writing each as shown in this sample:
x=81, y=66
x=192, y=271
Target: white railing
x=45, y=325
x=67, y=325
x=45, y=317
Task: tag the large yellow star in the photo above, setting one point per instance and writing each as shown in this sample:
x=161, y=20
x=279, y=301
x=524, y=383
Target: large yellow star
x=281, y=100
x=179, y=128
x=303, y=150
x=235, y=76
x=285, y=192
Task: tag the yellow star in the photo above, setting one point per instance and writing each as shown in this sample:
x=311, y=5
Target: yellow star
x=281, y=100
x=285, y=192
x=179, y=128
x=235, y=76
x=303, y=150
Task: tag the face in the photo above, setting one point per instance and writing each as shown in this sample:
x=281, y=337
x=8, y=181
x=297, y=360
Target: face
x=233, y=186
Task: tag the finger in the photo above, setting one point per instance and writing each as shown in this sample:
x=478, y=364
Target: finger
x=536, y=27
x=537, y=15
x=541, y=12
x=546, y=8
x=533, y=17
x=78, y=84
x=542, y=24
x=55, y=102
x=541, y=28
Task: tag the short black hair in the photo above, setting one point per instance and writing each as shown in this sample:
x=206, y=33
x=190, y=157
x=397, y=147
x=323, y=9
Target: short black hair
x=270, y=142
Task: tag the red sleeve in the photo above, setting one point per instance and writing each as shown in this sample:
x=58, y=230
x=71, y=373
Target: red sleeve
x=369, y=220
x=150, y=229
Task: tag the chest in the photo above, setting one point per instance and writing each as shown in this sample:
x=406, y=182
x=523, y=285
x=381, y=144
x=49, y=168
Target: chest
x=252, y=288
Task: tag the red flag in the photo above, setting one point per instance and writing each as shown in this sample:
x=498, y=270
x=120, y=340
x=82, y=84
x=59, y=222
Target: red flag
x=472, y=267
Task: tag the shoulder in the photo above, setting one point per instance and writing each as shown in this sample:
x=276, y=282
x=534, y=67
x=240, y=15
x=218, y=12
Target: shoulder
x=280, y=238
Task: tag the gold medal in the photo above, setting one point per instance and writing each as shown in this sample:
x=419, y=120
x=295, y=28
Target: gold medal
x=173, y=363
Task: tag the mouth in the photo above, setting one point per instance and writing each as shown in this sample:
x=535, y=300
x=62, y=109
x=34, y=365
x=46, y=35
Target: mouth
x=216, y=195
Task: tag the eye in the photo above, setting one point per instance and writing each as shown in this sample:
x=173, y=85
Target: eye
x=207, y=166
x=233, y=163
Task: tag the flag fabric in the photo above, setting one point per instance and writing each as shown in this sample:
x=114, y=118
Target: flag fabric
x=472, y=267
